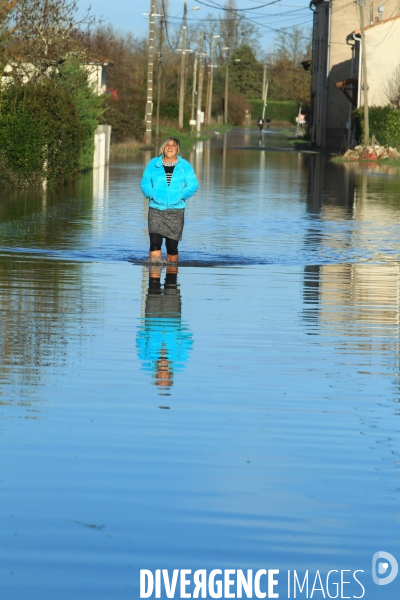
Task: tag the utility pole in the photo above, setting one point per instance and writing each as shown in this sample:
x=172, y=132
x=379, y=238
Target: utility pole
x=194, y=87
x=183, y=61
x=201, y=79
x=159, y=66
x=210, y=91
x=226, y=86
x=364, y=74
x=264, y=80
x=149, y=102
x=207, y=94
x=265, y=94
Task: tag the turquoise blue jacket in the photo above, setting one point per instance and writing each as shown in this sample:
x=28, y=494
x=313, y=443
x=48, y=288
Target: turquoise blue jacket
x=163, y=196
x=166, y=337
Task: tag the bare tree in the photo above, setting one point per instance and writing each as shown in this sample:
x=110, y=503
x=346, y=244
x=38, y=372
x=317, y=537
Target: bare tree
x=391, y=87
x=288, y=80
x=234, y=31
x=42, y=34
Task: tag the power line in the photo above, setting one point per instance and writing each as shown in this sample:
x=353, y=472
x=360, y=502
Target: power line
x=166, y=29
x=393, y=17
x=234, y=10
x=256, y=22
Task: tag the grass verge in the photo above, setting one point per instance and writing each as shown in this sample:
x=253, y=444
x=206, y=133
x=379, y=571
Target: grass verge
x=280, y=111
x=131, y=147
x=390, y=162
x=124, y=148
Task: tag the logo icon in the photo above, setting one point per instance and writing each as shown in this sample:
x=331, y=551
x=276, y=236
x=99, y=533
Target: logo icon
x=385, y=564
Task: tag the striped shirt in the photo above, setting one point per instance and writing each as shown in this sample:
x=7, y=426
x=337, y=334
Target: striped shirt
x=168, y=172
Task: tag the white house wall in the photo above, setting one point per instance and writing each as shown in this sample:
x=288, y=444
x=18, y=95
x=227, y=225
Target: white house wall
x=383, y=57
x=96, y=76
x=332, y=62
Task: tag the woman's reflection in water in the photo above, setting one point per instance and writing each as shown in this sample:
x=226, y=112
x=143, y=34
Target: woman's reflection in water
x=163, y=341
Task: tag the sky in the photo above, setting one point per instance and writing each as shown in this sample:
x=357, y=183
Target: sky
x=127, y=15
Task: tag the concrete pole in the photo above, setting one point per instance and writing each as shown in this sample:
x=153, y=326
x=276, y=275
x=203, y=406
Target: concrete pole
x=264, y=80
x=207, y=94
x=194, y=87
x=364, y=74
x=210, y=92
x=159, y=66
x=265, y=100
x=183, y=65
x=149, y=102
x=226, y=91
x=201, y=79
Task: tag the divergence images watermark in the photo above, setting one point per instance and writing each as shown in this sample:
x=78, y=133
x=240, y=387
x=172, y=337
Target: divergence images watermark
x=381, y=561
x=232, y=583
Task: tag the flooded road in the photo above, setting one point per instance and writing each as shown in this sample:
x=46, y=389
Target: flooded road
x=243, y=414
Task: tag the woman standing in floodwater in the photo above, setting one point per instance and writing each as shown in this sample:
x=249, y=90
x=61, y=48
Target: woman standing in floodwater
x=167, y=182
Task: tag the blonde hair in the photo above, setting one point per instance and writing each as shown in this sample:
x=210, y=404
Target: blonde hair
x=174, y=139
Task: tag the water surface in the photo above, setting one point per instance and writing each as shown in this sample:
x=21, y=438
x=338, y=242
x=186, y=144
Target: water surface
x=241, y=415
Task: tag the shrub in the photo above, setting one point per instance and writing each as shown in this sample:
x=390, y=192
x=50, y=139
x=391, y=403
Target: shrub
x=38, y=124
x=47, y=128
x=124, y=118
x=237, y=106
x=89, y=107
x=384, y=123
x=169, y=110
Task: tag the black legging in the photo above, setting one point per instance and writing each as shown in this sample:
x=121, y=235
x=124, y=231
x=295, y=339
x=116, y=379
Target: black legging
x=156, y=243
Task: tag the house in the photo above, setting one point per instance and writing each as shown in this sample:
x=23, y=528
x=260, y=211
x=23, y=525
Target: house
x=333, y=61
x=96, y=71
x=381, y=42
x=97, y=74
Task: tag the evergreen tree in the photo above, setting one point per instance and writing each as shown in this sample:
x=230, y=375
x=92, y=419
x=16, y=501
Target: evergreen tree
x=246, y=73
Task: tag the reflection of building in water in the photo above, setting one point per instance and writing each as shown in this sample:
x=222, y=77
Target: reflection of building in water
x=330, y=190
x=357, y=302
x=100, y=197
x=330, y=199
x=364, y=196
x=163, y=340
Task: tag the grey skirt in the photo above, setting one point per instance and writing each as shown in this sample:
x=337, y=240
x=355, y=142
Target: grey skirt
x=168, y=223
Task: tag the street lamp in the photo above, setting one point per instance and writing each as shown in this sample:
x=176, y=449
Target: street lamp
x=211, y=79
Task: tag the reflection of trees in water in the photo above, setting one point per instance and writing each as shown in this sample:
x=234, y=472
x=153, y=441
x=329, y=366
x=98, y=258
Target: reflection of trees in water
x=163, y=340
x=45, y=216
x=42, y=303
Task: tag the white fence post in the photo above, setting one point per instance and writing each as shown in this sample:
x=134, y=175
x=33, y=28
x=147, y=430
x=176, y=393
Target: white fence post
x=102, y=140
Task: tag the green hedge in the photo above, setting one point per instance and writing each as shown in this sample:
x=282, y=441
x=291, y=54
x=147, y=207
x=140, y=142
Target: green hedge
x=384, y=123
x=88, y=104
x=277, y=110
x=40, y=134
x=47, y=128
x=124, y=118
